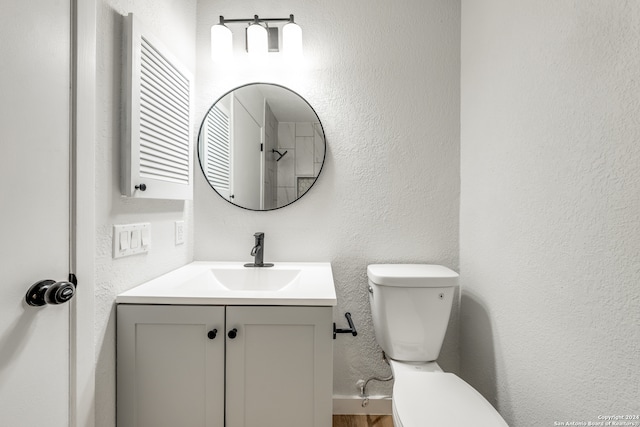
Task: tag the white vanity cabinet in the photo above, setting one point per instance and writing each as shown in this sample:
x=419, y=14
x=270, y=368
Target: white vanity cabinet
x=273, y=370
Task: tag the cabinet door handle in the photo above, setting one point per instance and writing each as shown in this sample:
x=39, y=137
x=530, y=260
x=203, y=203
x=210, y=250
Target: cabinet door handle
x=212, y=333
x=232, y=333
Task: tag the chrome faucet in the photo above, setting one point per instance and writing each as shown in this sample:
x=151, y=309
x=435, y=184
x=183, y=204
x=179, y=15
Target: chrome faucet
x=258, y=252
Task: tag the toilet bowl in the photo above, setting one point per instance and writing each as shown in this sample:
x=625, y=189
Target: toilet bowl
x=410, y=307
x=424, y=395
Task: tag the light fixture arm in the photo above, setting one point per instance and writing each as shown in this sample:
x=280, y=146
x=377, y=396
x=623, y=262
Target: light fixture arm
x=255, y=20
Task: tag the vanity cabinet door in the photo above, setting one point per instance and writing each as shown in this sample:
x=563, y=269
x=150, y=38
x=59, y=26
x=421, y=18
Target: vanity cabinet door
x=279, y=366
x=170, y=369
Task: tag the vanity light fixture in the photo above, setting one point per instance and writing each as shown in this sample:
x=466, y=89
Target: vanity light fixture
x=260, y=37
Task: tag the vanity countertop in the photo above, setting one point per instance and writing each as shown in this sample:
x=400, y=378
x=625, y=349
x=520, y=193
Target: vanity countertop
x=230, y=283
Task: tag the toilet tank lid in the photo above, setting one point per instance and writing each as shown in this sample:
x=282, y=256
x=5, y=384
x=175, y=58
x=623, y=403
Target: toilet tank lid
x=412, y=275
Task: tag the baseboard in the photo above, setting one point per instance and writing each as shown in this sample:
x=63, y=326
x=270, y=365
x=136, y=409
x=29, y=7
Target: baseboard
x=352, y=405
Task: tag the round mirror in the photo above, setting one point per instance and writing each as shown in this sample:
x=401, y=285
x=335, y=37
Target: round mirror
x=261, y=146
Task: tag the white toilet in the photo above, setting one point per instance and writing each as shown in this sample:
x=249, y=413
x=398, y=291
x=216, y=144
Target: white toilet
x=410, y=305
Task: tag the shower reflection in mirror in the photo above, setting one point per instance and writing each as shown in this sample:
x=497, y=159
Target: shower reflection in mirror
x=261, y=146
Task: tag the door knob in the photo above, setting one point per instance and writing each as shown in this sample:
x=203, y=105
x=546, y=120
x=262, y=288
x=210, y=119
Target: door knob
x=212, y=334
x=232, y=333
x=51, y=292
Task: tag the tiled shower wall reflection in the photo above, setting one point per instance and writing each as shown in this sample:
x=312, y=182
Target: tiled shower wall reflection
x=304, y=143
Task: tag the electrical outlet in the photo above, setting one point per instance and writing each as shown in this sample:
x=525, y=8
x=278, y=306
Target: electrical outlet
x=180, y=231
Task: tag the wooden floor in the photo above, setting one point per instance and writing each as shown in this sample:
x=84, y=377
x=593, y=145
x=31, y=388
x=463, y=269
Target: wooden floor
x=362, y=421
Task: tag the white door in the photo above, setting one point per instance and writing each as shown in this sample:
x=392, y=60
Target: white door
x=247, y=173
x=34, y=209
x=270, y=187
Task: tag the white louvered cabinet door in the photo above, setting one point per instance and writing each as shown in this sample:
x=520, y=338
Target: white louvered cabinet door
x=216, y=151
x=157, y=155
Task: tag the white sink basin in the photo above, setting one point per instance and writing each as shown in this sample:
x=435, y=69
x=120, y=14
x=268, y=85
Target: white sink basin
x=230, y=283
x=254, y=278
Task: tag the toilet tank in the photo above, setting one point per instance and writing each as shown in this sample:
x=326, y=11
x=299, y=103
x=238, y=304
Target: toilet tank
x=410, y=306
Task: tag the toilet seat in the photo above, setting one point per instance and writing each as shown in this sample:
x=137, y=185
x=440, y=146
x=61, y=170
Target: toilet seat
x=440, y=399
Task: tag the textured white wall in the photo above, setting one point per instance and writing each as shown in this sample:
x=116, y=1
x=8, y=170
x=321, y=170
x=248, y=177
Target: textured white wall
x=550, y=203
x=173, y=21
x=384, y=80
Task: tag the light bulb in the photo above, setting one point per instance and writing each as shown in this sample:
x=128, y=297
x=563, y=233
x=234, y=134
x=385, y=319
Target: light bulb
x=257, y=39
x=221, y=42
x=292, y=39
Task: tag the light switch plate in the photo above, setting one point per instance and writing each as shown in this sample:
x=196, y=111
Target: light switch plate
x=180, y=230
x=131, y=239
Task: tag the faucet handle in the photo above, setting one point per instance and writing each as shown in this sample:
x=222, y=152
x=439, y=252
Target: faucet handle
x=258, y=235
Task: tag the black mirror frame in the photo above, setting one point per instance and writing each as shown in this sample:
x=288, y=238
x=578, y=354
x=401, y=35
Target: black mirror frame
x=324, y=155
